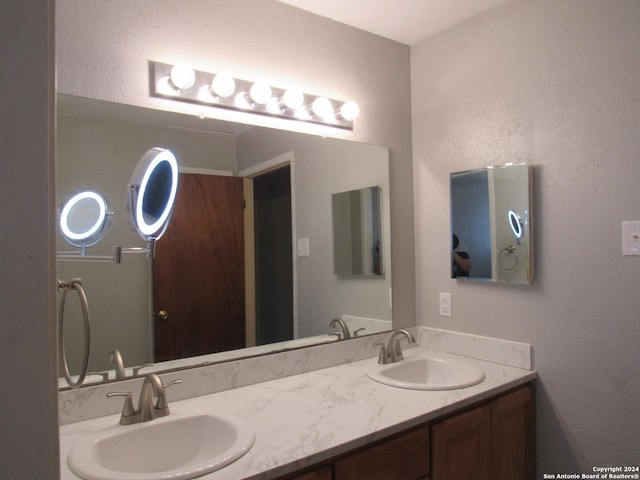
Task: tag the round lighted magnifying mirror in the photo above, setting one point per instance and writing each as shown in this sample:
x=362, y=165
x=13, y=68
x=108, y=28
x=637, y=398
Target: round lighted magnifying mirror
x=517, y=226
x=152, y=191
x=85, y=218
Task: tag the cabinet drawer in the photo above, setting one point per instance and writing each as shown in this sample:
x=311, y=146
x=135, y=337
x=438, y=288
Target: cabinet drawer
x=402, y=458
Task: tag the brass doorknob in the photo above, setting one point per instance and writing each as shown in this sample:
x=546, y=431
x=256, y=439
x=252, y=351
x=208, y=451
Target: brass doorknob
x=163, y=315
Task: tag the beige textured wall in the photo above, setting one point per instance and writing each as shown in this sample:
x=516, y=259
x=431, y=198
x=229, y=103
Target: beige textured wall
x=556, y=84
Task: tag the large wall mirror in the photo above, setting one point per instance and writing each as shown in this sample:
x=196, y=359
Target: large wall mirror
x=178, y=309
x=491, y=225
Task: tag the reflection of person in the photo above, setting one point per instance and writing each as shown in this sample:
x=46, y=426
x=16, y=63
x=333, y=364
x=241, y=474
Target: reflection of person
x=377, y=268
x=461, y=261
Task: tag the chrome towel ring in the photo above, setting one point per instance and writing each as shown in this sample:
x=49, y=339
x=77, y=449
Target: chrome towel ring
x=66, y=286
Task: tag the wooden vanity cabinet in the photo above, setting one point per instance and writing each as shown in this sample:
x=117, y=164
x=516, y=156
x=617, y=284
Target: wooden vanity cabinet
x=513, y=449
x=494, y=441
x=462, y=446
x=405, y=457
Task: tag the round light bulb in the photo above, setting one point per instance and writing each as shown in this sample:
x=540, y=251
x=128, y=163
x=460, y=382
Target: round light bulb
x=260, y=93
x=206, y=95
x=349, y=111
x=240, y=101
x=322, y=107
x=223, y=85
x=293, y=98
x=301, y=113
x=165, y=86
x=273, y=106
x=183, y=76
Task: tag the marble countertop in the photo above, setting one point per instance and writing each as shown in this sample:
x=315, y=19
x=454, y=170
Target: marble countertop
x=304, y=419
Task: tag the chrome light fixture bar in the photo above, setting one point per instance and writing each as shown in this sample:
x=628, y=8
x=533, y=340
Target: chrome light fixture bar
x=182, y=83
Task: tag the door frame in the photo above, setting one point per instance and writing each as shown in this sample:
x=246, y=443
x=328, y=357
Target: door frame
x=249, y=173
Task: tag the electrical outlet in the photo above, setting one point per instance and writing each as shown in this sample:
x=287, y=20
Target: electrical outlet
x=445, y=304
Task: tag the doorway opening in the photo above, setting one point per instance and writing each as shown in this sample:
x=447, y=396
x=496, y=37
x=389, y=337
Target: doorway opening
x=273, y=255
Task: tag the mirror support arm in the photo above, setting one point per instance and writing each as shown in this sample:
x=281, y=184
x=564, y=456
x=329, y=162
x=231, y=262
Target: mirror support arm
x=115, y=257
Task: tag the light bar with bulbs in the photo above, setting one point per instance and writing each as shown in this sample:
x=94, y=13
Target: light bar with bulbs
x=182, y=83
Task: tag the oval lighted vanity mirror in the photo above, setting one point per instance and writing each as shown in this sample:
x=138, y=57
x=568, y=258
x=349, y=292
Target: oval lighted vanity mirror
x=517, y=225
x=152, y=191
x=491, y=224
x=84, y=219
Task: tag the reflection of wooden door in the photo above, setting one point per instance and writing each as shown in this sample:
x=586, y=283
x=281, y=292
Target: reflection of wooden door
x=199, y=270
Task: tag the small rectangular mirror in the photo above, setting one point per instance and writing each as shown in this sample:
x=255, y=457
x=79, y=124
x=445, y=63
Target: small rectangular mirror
x=357, y=232
x=491, y=227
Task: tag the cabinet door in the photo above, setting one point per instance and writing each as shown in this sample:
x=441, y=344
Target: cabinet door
x=402, y=458
x=461, y=446
x=513, y=437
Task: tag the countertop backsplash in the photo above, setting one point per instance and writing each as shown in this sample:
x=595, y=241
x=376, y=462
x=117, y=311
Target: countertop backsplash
x=91, y=401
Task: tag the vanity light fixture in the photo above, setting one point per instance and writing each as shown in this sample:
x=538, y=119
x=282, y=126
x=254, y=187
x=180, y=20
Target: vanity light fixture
x=182, y=83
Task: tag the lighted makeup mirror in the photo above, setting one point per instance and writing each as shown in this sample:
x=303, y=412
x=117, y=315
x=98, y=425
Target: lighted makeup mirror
x=517, y=225
x=152, y=191
x=84, y=219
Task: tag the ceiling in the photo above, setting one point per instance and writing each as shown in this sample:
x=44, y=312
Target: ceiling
x=408, y=21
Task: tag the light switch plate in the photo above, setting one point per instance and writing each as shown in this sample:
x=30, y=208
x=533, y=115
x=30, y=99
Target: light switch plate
x=631, y=238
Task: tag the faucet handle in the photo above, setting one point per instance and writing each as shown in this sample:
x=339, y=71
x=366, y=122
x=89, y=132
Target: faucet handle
x=128, y=410
x=173, y=382
x=161, y=403
x=355, y=332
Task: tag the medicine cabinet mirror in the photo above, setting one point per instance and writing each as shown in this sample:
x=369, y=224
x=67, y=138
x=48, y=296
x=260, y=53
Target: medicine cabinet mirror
x=491, y=224
x=357, y=232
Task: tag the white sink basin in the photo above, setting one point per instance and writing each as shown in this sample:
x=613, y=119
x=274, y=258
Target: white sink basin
x=183, y=445
x=428, y=370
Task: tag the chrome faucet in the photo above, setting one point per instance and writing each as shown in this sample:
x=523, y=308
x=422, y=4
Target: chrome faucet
x=345, y=330
x=152, y=387
x=393, y=352
x=116, y=358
